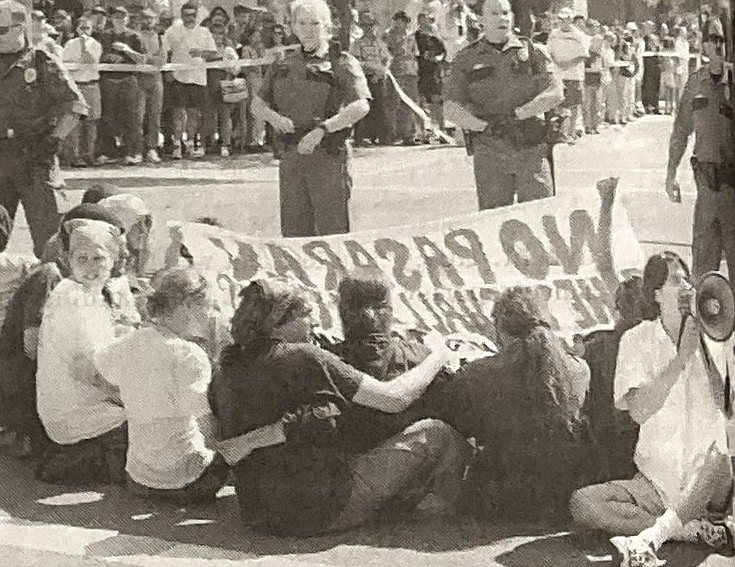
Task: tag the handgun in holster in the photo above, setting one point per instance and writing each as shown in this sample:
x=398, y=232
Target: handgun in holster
x=469, y=144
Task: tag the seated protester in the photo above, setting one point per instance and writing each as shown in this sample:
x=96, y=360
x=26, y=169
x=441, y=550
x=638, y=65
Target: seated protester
x=163, y=378
x=137, y=223
x=308, y=485
x=670, y=381
x=370, y=346
x=81, y=413
x=615, y=433
x=524, y=405
x=19, y=340
x=99, y=191
x=14, y=268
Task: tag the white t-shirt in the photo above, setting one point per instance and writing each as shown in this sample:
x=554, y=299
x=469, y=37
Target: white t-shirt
x=178, y=39
x=564, y=48
x=673, y=443
x=72, y=403
x=73, y=54
x=163, y=383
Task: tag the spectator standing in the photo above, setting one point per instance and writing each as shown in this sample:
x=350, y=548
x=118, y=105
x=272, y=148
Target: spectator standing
x=190, y=44
x=639, y=49
x=63, y=25
x=150, y=85
x=593, y=85
x=85, y=50
x=626, y=77
x=373, y=55
x=668, y=77
x=99, y=21
x=73, y=8
x=120, y=45
x=650, y=89
x=432, y=54
x=568, y=47
x=221, y=111
x=681, y=69
x=401, y=121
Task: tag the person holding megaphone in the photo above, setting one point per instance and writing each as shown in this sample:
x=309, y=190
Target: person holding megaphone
x=671, y=377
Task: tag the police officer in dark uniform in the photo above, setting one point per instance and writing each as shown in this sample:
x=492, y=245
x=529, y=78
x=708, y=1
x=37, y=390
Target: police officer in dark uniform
x=499, y=88
x=312, y=98
x=39, y=106
x=705, y=110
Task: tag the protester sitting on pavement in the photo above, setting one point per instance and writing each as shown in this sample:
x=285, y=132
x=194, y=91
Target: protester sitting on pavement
x=669, y=377
x=525, y=406
x=99, y=191
x=85, y=50
x=164, y=378
x=81, y=413
x=307, y=484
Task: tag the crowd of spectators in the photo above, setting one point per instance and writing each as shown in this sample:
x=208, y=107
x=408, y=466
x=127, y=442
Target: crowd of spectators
x=612, y=74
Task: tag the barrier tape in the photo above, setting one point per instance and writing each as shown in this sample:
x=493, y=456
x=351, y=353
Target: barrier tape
x=428, y=122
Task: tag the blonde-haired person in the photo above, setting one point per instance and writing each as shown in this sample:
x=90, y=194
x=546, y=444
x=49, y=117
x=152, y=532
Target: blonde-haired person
x=164, y=377
x=81, y=413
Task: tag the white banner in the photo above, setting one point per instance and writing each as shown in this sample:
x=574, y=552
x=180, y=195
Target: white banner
x=572, y=248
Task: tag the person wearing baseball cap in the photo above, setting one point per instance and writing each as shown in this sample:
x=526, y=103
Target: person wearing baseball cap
x=40, y=106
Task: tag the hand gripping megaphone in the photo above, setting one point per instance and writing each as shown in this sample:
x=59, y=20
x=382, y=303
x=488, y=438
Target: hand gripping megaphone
x=712, y=303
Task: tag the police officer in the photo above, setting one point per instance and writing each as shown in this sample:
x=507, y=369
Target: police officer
x=705, y=110
x=498, y=89
x=312, y=98
x=39, y=106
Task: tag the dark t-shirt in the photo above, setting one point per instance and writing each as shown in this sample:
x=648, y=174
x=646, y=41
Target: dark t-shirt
x=110, y=55
x=293, y=487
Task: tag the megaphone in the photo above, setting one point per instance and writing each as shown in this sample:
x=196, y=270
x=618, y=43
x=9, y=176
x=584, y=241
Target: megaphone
x=713, y=305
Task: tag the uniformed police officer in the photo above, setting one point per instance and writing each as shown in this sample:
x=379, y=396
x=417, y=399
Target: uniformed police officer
x=312, y=99
x=705, y=110
x=39, y=106
x=498, y=89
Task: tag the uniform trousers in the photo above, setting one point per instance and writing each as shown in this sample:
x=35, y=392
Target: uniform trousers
x=502, y=172
x=34, y=183
x=714, y=224
x=120, y=114
x=373, y=125
x=150, y=105
x=315, y=192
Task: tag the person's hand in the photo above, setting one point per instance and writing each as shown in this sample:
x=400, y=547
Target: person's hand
x=689, y=342
x=607, y=188
x=120, y=46
x=672, y=188
x=310, y=141
x=282, y=125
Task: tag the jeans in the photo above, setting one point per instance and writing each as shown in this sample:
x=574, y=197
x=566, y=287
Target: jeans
x=120, y=115
x=150, y=105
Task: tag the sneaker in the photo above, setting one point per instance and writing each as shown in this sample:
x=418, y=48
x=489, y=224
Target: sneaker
x=152, y=156
x=104, y=160
x=224, y=151
x=137, y=159
x=177, y=153
x=197, y=153
x=718, y=536
x=633, y=552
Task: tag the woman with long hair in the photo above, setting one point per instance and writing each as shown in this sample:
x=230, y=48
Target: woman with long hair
x=308, y=485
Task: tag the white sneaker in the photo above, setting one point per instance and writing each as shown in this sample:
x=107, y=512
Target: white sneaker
x=152, y=156
x=177, y=153
x=634, y=552
x=197, y=153
x=103, y=160
x=224, y=151
x=718, y=536
x=137, y=159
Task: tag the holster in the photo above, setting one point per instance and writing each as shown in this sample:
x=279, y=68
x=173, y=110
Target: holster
x=714, y=175
x=520, y=134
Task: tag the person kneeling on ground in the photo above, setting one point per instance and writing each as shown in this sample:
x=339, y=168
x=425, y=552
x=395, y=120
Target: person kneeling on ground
x=81, y=412
x=163, y=379
x=669, y=381
x=308, y=485
x=524, y=406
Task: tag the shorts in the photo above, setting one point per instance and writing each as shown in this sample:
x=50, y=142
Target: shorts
x=642, y=493
x=91, y=92
x=573, y=95
x=188, y=95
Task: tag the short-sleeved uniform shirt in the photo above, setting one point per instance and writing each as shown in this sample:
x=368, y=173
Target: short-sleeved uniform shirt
x=489, y=81
x=672, y=443
x=163, y=384
x=299, y=87
x=35, y=90
x=699, y=112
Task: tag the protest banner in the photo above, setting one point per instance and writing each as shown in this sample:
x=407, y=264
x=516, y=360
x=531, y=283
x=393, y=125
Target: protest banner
x=573, y=248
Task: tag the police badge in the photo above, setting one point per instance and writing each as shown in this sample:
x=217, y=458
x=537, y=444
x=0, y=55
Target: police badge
x=30, y=75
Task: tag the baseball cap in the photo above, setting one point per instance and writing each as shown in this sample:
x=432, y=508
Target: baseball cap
x=121, y=10
x=148, y=13
x=99, y=10
x=631, y=26
x=565, y=14
x=401, y=15
x=38, y=15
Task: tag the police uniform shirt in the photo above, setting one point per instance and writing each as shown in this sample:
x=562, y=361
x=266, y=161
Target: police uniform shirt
x=700, y=112
x=488, y=80
x=34, y=91
x=299, y=86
